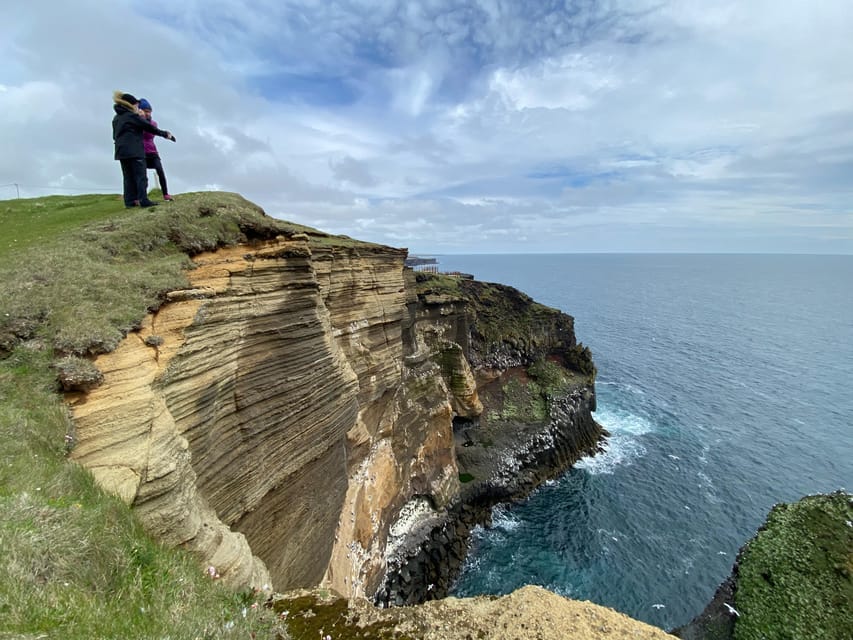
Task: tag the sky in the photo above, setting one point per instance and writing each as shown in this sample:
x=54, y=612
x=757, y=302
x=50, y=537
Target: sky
x=459, y=126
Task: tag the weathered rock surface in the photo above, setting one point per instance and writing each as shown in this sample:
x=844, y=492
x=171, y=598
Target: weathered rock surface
x=530, y=612
x=290, y=415
x=267, y=406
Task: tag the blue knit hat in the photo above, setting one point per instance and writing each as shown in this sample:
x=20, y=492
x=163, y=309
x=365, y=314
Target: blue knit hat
x=144, y=104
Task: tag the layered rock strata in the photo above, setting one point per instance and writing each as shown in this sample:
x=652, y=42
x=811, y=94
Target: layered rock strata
x=290, y=416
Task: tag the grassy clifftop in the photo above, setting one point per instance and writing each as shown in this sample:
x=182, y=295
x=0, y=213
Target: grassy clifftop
x=76, y=274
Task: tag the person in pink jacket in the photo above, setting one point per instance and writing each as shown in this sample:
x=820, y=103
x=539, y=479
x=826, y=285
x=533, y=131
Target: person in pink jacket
x=152, y=156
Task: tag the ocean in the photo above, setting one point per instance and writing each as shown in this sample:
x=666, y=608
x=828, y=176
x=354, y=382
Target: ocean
x=726, y=382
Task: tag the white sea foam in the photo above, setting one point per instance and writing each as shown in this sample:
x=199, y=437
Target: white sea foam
x=564, y=590
x=620, y=449
x=502, y=518
x=624, y=386
x=706, y=483
x=473, y=563
x=477, y=533
x=617, y=420
x=604, y=534
x=623, y=446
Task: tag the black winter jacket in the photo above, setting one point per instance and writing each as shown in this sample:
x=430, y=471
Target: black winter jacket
x=127, y=133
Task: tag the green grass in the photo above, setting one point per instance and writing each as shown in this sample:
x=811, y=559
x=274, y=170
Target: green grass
x=30, y=221
x=76, y=274
x=524, y=402
x=795, y=578
x=75, y=561
x=82, y=276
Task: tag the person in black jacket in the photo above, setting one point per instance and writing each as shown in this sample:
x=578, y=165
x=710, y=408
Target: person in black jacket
x=128, y=127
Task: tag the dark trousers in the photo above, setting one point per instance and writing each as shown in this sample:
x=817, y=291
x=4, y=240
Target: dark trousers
x=135, y=181
x=152, y=161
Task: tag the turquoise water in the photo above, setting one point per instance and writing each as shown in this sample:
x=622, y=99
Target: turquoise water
x=727, y=384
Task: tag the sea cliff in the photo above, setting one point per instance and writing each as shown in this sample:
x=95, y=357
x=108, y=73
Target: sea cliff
x=308, y=411
x=793, y=579
x=300, y=409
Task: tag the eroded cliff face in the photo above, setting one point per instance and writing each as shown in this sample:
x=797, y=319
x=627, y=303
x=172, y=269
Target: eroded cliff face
x=290, y=417
x=257, y=412
x=535, y=389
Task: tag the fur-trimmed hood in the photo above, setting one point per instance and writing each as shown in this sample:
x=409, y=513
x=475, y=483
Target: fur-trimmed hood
x=121, y=102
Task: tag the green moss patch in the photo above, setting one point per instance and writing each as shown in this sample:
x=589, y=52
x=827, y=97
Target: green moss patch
x=795, y=578
x=435, y=287
x=522, y=402
x=505, y=315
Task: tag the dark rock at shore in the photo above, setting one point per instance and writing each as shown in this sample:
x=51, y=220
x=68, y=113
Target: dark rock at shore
x=506, y=465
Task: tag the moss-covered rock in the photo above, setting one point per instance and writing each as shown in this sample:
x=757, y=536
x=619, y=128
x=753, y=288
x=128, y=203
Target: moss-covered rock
x=77, y=374
x=791, y=581
x=323, y=614
x=795, y=578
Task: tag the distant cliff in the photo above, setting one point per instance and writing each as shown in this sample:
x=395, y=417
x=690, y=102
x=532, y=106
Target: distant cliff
x=309, y=411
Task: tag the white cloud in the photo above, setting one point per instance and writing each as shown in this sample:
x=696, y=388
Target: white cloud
x=515, y=126
x=572, y=82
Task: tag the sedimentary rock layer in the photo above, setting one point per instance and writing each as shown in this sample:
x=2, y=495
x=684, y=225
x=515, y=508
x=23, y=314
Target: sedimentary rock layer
x=290, y=416
x=268, y=406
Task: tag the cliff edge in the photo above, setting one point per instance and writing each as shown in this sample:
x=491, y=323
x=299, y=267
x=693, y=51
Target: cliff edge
x=307, y=411
x=299, y=409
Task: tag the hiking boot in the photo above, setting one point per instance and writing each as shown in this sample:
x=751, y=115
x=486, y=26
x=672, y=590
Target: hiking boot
x=166, y=196
x=147, y=203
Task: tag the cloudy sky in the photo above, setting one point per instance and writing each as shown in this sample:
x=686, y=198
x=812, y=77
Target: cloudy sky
x=459, y=126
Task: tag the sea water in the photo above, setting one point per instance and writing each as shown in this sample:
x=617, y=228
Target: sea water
x=726, y=382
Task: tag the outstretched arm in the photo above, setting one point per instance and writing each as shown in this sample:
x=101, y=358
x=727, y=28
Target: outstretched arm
x=150, y=128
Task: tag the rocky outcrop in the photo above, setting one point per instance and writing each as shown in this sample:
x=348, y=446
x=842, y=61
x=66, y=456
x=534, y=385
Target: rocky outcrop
x=307, y=411
x=793, y=579
x=529, y=612
x=536, y=386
